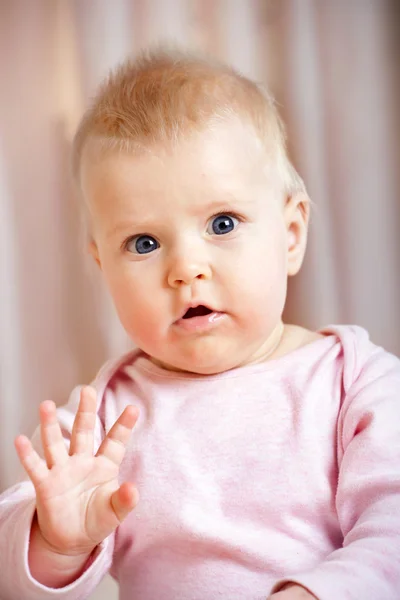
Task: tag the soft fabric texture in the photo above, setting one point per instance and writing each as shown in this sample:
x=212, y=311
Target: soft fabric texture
x=288, y=470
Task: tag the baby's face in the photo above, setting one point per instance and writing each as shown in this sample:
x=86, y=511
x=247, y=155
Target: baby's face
x=193, y=245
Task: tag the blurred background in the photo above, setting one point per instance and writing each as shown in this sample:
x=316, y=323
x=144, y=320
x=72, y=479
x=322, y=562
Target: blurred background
x=333, y=66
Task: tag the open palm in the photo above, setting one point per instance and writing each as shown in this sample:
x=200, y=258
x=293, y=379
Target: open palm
x=79, y=501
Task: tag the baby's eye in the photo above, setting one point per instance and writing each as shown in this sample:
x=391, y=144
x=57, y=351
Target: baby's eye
x=142, y=244
x=222, y=224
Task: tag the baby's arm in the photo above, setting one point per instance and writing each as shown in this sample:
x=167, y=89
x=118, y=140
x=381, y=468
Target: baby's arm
x=74, y=504
x=368, y=492
x=51, y=568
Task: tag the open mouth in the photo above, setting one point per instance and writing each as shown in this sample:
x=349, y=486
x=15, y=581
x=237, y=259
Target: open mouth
x=197, y=311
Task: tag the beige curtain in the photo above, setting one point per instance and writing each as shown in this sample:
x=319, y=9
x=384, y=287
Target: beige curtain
x=333, y=66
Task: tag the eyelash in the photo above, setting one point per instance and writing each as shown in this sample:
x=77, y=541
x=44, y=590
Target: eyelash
x=227, y=213
x=219, y=214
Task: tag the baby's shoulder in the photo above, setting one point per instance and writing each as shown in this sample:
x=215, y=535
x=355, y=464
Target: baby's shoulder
x=112, y=372
x=364, y=361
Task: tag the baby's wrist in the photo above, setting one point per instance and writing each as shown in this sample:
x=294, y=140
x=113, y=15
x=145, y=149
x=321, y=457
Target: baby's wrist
x=50, y=567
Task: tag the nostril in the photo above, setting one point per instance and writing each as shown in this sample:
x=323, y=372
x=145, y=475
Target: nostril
x=197, y=311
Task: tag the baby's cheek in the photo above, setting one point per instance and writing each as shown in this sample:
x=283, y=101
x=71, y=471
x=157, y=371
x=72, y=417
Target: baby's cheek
x=144, y=326
x=131, y=304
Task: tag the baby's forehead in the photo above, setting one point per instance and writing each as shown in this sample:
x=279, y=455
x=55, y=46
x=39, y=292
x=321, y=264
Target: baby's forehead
x=223, y=144
x=233, y=138
x=203, y=173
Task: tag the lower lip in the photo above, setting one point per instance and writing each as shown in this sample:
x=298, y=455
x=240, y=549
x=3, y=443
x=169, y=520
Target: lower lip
x=203, y=323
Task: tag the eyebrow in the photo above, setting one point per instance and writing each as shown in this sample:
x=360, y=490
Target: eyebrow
x=120, y=227
x=213, y=207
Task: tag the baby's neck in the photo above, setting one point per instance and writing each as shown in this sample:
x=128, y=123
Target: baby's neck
x=292, y=338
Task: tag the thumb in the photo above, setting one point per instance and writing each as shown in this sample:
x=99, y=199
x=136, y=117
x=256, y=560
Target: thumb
x=124, y=500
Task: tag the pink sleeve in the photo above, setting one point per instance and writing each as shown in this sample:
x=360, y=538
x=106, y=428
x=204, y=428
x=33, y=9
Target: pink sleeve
x=368, y=492
x=17, y=507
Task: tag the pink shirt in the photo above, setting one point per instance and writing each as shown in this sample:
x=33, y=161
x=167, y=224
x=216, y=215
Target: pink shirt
x=285, y=470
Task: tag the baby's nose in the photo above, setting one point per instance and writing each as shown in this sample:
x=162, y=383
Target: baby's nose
x=186, y=269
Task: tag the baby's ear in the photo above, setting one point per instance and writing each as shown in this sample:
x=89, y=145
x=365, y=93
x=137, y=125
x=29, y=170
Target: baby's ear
x=297, y=214
x=93, y=250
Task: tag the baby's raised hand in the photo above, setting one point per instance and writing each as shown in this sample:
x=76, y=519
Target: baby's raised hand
x=79, y=501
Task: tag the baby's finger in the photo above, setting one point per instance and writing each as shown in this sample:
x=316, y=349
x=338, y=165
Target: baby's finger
x=114, y=444
x=53, y=443
x=124, y=500
x=34, y=466
x=82, y=432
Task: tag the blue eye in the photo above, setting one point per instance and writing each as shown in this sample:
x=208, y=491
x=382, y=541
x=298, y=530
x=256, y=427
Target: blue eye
x=222, y=224
x=143, y=244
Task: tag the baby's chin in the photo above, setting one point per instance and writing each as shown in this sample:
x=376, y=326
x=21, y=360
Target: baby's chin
x=194, y=369
x=210, y=361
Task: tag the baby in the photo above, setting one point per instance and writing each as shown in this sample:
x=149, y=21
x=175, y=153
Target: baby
x=231, y=455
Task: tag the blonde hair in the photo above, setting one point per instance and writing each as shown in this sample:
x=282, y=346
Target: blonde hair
x=166, y=94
